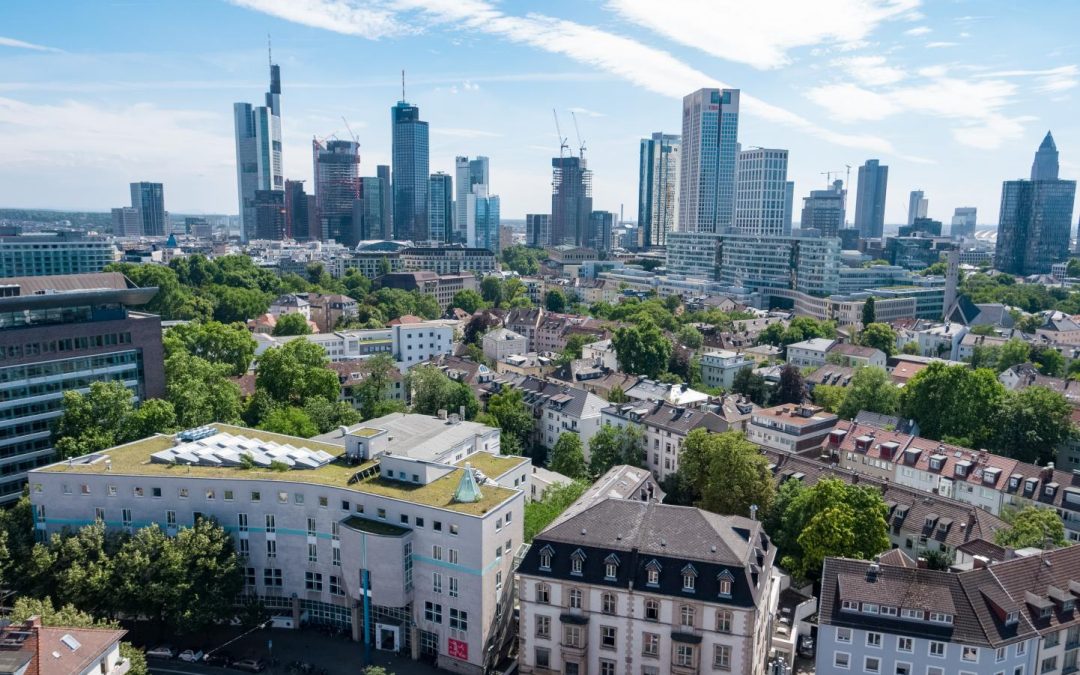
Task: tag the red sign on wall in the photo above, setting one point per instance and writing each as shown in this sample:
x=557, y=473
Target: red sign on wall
x=458, y=649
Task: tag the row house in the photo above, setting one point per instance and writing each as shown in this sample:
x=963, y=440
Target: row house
x=791, y=428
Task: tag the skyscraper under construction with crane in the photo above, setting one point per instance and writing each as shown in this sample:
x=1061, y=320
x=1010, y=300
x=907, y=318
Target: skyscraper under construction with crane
x=571, y=197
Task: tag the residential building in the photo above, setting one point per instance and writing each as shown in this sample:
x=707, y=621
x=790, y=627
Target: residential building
x=641, y=587
x=501, y=343
x=658, y=189
x=63, y=333
x=403, y=529
x=543, y=479
x=49, y=254
x=917, y=206
x=448, y=260
x=526, y=322
x=857, y=355
x=291, y=303
x=761, y=189
x=719, y=368
x=558, y=409
x=126, y=222
x=258, y=151
x=440, y=208
x=791, y=428
x=571, y=201
x=538, y=229
x=328, y=311
x=1036, y=217
x=870, y=199
x=410, y=172
x=810, y=353
x=825, y=210
x=442, y=287
x=337, y=189
x=601, y=353
x=710, y=130
x=468, y=173
x=149, y=200
x=963, y=222
x=32, y=649
x=680, y=395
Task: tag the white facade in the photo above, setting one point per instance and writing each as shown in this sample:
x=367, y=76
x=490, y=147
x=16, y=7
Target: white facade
x=719, y=368
x=761, y=192
x=809, y=353
x=501, y=343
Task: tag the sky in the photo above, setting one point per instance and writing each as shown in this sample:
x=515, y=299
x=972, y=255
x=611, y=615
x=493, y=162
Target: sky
x=953, y=95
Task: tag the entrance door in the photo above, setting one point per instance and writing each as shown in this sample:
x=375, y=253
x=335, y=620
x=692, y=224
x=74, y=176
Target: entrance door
x=388, y=639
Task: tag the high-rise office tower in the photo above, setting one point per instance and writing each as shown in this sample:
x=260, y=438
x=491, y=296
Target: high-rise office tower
x=870, y=199
x=824, y=210
x=258, y=151
x=1036, y=217
x=761, y=191
x=963, y=222
x=375, y=208
x=410, y=172
x=382, y=172
x=789, y=205
x=537, y=229
x=270, y=215
x=440, y=207
x=149, y=200
x=301, y=216
x=337, y=187
x=658, y=189
x=917, y=206
x=571, y=201
x=468, y=173
x=601, y=226
x=126, y=222
x=484, y=215
x=710, y=131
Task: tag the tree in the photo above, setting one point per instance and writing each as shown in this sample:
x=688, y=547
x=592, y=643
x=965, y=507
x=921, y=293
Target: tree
x=1030, y=424
x=830, y=397
x=726, y=471
x=510, y=414
x=467, y=300
x=478, y=326
x=750, y=385
x=614, y=445
x=289, y=420
x=936, y=559
x=555, y=301
x=617, y=395
x=911, y=348
x=869, y=315
x=327, y=416
x=199, y=391
x=295, y=371
x=540, y=512
x=879, y=336
x=1049, y=360
x=106, y=416
x=433, y=391
x=690, y=337
x=642, y=349
x=792, y=388
x=574, y=345
x=227, y=344
x=173, y=301
x=1012, y=353
x=292, y=323
x=238, y=303
x=567, y=457
x=373, y=389
x=1033, y=526
x=952, y=401
x=871, y=389
x=491, y=289
x=522, y=259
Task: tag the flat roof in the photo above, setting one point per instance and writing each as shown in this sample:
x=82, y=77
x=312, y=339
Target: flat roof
x=491, y=465
x=133, y=459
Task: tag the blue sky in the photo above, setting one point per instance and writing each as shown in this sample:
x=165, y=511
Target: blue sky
x=953, y=95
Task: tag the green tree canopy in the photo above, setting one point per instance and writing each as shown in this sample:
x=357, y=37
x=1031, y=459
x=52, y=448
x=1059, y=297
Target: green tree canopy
x=1030, y=424
x=555, y=301
x=567, y=457
x=106, y=416
x=433, y=391
x=869, y=314
x=510, y=414
x=199, y=391
x=237, y=303
x=613, y=445
x=467, y=300
x=751, y=385
x=289, y=420
x=1013, y=352
x=953, y=401
x=292, y=323
x=327, y=416
x=540, y=512
x=227, y=344
x=690, y=337
x=522, y=259
x=792, y=388
x=1033, y=526
x=871, y=389
x=296, y=371
x=642, y=349
x=491, y=289
x=830, y=397
x=879, y=336
x=726, y=471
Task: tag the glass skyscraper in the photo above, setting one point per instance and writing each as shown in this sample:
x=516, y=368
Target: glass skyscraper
x=149, y=200
x=440, y=207
x=410, y=172
x=870, y=199
x=258, y=151
x=824, y=210
x=710, y=131
x=658, y=189
x=468, y=173
x=571, y=201
x=487, y=219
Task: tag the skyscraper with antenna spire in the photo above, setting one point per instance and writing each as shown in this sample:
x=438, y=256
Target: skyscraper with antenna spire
x=258, y=150
x=410, y=170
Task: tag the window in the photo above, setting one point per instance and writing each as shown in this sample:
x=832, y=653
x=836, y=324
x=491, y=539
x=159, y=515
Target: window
x=170, y=518
x=686, y=616
x=650, y=644
x=543, y=658
x=436, y=582
x=543, y=593
x=270, y=524
x=244, y=547
x=249, y=576
x=283, y=497
x=311, y=527
x=1049, y=665
x=608, y=603
x=335, y=586
x=227, y=495
x=914, y=614
x=138, y=491
x=725, y=587
x=841, y=660
x=313, y=581
x=335, y=531
x=654, y=577
x=610, y=570
x=970, y=654
x=242, y=522
x=256, y=496
x=99, y=514
x=869, y=608
x=125, y=515
x=888, y=610
x=905, y=644
x=271, y=548
x=873, y=640
x=723, y=621
x=459, y=619
x=607, y=667
x=344, y=505
x=298, y=497
x=721, y=658
x=843, y=635
x=210, y=494
x=572, y=635
x=999, y=655
x=543, y=627
x=312, y=553
x=433, y=612
x=453, y=529
x=652, y=610
x=182, y=493
x=1021, y=648
x=607, y=637
x=380, y=513
x=437, y=526
x=872, y=664
x=336, y=556
x=575, y=566
x=436, y=552
x=688, y=581
x=155, y=492
x=404, y=519
x=574, y=598
x=849, y=606
x=935, y=670
x=937, y=649
x=272, y=578
x=684, y=655
x=323, y=502
x=452, y=556
x=905, y=669
x=453, y=587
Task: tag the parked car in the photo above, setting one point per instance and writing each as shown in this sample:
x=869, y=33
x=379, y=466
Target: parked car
x=250, y=665
x=191, y=655
x=219, y=657
x=806, y=646
x=161, y=652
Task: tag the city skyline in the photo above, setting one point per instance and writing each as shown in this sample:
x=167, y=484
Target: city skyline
x=127, y=121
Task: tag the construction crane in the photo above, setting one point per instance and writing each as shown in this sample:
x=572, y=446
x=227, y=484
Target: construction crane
x=563, y=147
x=349, y=129
x=829, y=174
x=581, y=143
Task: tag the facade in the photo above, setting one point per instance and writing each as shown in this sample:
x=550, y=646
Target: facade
x=403, y=529
x=538, y=229
x=448, y=260
x=806, y=264
x=440, y=207
x=825, y=210
x=149, y=200
x=658, y=189
x=337, y=189
x=571, y=201
x=601, y=226
x=719, y=368
x=501, y=343
x=809, y=353
x=963, y=222
x=301, y=213
x=484, y=219
x=32, y=255
x=630, y=586
x=442, y=287
x=383, y=173
x=258, y=151
x=63, y=333
x=468, y=174
x=793, y=429
x=710, y=130
x=693, y=254
x=373, y=208
x=559, y=408
x=270, y=221
x=410, y=172
x=858, y=356
x=125, y=222
x=761, y=190
x=917, y=206
x=870, y=199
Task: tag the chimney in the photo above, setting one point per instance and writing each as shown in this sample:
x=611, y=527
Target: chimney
x=442, y=413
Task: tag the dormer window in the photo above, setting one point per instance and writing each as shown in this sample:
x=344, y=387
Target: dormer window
x=849, y=606
x=545, y=558
x=724, y=581
x=611, y=567
x=940, y=617
x=1068, y=605
x=577, y=562
x=914, y=614
x=869, y=608
x=1046, y=612
x=1014, y=483
x=652, y=571
x=689, y=578
x=1011, y=618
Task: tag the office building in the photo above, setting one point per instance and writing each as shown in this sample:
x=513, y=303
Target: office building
x=601, y=229
x=761, y=191
x=537, y=229
x=442, y=287
x=468, y=173
x=658, y=189
x=43, y=254
x=789, y=205
x=403, y=529
x=63, y=333
x=1036, y=217
x=806, y=264
x=824, y=210
x=627, y=585
x=270, y=221
x=484, y=219
x=710, y=128
x=440, y=208
x=963, y=222
x=258, y=151
x=126, y=222
x=917, y=206
x=571, y=201
x=448, y=260
x=374, y=207
x=301, y=214
x=337, y=188
x=200, y=228
x=383, y=173
x=870, y=199
x=925, y=226
x=693, y=254
x=410, y=172
x=149, y=200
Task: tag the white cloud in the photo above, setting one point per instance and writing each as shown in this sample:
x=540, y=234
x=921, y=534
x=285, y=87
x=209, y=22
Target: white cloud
x=1050, y=80
x=586, y=112
x=941, y=45
x=852, y=103
x=917, y=31
x=19, y=44
x=372, y=21
x=761, y=33
x=870, y=70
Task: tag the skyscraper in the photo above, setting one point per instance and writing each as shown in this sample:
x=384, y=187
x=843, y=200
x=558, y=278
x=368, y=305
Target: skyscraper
x=761, y=192
x=270, y=214
x=258, y=151
x=440, y=207
x=468, y=173
x=917, y=206
x=870, y=199
x=484, y=210
x=149, y=200
x=1036, y=217
x=658, y=189
x=710, y=130
x=382, y=172
x=376, y=208
x=537, y=229
x=337, y=187
x=126, y=222
x=824, y=210
x=301, y=216
x=601, y=224
x=789, y=204
x=410, y=172
x=571, y=201
x=963, y=222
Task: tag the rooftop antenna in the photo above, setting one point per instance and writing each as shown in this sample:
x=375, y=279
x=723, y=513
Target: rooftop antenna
x=403, y=84
x=269, y=52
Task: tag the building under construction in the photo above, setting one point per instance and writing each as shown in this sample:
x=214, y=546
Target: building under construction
x=571, y=201
x=337, y=188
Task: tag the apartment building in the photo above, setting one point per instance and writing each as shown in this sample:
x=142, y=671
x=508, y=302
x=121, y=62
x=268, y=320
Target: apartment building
x=419, y=515
x=809, y=353
x=442, y=287
x=791, y=428
x=719, y=368
x=448, y=260
x=501, y=343
x=526, y=322
x=559, y=408
x=409, y=344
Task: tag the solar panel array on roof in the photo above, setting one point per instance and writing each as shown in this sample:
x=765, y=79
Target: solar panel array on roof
x=221, y=449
